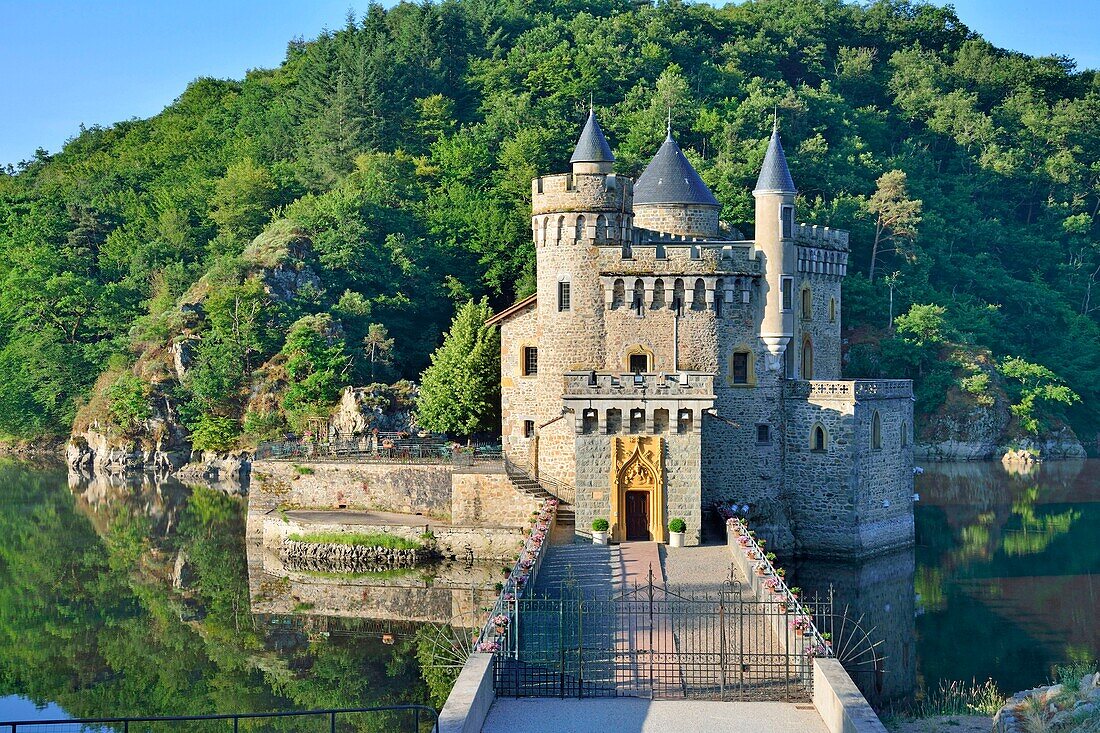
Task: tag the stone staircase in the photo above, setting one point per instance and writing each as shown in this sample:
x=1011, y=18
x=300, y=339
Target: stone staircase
x=522, y=478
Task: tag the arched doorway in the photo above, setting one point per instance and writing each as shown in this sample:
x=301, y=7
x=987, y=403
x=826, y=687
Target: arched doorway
x=807, y=371
x=637, y=499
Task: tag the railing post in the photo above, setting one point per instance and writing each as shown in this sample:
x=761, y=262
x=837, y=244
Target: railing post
x=236, y=723
x=332, y=722
x=722, y=643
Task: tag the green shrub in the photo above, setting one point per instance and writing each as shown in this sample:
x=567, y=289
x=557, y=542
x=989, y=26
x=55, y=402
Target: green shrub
x=213, y=432
x=677, y=525
x=128, y=401
x=600, y=525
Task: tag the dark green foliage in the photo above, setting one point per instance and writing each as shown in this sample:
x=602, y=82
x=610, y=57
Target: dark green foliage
x=460, y=391
x=402, y=146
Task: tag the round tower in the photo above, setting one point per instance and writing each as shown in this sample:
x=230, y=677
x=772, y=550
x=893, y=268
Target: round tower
x=774, y=194
x=671, y=197
x=572, y=215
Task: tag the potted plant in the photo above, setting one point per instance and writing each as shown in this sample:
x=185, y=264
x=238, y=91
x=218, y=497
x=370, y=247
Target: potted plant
x=500, y=623
x=677, y=528
x=795, y=591
x=599, y=531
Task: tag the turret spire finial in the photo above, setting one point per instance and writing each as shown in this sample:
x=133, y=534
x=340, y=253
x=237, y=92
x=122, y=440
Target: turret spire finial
x=668, y=123
x=775, y=118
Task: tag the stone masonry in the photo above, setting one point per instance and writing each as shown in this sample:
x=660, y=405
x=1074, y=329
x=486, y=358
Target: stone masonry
x=649, y=319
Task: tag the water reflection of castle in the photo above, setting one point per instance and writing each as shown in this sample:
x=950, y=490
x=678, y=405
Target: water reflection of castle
x=874, y=597
x=443, y=592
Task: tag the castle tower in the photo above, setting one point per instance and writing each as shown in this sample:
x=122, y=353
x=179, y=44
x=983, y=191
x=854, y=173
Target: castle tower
x=670, y=196
x=574, y=216
x=774, y=194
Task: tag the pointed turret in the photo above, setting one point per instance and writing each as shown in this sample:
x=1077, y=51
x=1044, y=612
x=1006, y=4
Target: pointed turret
x=775, y=217
x=774, y=176
x=670, y=196
x=592, y=154
x=671, y=179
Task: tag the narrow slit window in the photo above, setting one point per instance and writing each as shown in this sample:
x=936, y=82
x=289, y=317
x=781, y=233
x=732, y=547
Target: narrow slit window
x=786, y=286
x=740, y=367
x=530, y=361
x=787, y=219
x=528, y=428
x=564, y=296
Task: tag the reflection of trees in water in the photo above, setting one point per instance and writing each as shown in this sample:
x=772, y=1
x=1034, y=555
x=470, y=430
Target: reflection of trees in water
x=91, y=621
x=999, y=578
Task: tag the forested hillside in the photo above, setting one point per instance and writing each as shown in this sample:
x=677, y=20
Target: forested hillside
x=388, y=166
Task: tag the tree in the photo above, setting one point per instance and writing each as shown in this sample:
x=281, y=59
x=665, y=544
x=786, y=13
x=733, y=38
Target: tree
x=460, y=391
x=1035, y=384
x=896, y=215
x=377, y=346
x=242, y=200
x=316, y=365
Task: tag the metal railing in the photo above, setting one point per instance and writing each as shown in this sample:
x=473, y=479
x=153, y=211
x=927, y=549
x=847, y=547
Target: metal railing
x=519, y=471
x=411, y=718
x=652, y=642
x=386, y=451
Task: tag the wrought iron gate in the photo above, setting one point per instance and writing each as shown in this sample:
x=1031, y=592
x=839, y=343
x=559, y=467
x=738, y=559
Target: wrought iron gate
x=656, y=643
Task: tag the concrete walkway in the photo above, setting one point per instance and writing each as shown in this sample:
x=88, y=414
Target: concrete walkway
x=632, y=715
x=345, y=516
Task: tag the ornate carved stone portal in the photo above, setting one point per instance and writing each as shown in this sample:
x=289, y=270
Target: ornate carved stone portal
x=637, y=488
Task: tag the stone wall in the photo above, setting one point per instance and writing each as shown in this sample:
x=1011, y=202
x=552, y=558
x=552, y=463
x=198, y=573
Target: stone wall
x=884, y=477
x=451, y=541
x=694, y=220
x=387, y=487
x=487, y=498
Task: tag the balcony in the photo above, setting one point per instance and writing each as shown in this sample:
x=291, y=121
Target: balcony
x=850, y=389
x=633, y=386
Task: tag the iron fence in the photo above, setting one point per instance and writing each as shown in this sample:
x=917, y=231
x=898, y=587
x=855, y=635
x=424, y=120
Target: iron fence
x=397, y=718
x=656, y=643
x=370, y=451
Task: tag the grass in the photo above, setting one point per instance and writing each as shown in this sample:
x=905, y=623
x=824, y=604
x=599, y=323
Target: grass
x=364, y=539
x=303, y=470
x=958, y=698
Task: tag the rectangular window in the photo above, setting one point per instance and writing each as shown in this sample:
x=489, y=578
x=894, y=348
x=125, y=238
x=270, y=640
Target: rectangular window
x=530, y=361
x=786, y=214
x=763, y=434
x=741, y=368
x=639, y=363
x=564, y=302
x=528, y=428
x=786, y=285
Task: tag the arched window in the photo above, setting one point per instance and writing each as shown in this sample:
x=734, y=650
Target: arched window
x=807, y=358
x=741, y=366
x=638, y=360
x=678, y=296
x=660, y=421
x=638, y=301
x=618, y=293
x=545, y=227
x=719, y=296
x=684, y=422
x=904, y=434
x=601, y=227
x=807, y=304
x=832, y=310
x=819, y=439
x=876, y=431
x=614, y=421
x=590, y=421
x=637, y=421
x=561, y=229
x=699, y=295
x=579, y=234
x=658, y=293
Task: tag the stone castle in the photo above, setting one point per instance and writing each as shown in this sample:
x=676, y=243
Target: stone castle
x=666, y=364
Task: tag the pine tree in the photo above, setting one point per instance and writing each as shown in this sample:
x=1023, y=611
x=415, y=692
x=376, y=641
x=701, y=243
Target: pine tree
x=460, y=391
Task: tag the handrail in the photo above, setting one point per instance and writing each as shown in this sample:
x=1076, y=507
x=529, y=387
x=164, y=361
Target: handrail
x=399, y=452
x=416, y=709
x=519, y=469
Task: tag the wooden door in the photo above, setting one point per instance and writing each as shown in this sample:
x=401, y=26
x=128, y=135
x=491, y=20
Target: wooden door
x=637, y=515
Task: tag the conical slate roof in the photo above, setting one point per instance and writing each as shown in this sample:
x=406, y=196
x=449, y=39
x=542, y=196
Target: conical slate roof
x=670, y=179
x=775, y=177
x=592, y=146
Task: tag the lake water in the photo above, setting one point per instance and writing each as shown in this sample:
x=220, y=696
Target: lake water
x=1000, y=585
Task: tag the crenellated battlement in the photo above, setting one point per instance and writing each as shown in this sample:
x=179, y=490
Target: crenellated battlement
x=582, y=192
x=821, y=236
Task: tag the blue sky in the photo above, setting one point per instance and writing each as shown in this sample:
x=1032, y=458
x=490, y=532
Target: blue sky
x=67, y=62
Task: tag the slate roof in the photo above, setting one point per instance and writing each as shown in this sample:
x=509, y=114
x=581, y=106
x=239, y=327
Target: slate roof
x=592, y=146
x=775, y=177
x=670, y=179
